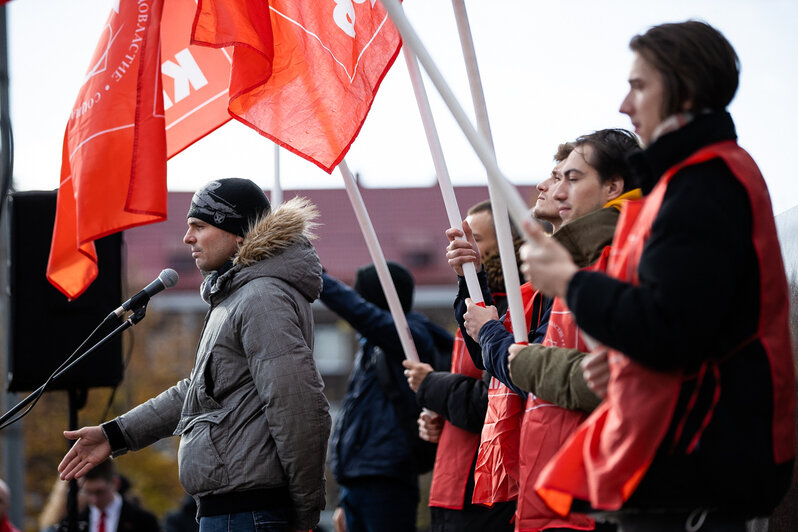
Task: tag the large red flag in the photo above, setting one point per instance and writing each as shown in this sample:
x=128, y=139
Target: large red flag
x=304, y=73
x=113, y=169
x=113, y=173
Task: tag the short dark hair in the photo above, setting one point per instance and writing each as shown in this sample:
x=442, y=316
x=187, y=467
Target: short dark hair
x=103, y=471
x=482, y=206
x=696, y=62
x=611, y=147
x=485, y=206
x=563, y=151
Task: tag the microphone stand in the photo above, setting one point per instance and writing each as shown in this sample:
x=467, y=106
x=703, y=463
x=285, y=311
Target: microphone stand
x=137, y=316
x=70, y=523
x=77, y=399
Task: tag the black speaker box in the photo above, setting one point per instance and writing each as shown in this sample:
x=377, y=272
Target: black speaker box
x=45, y=327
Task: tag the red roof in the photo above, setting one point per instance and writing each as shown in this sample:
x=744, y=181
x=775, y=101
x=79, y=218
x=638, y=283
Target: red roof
x=410, y=223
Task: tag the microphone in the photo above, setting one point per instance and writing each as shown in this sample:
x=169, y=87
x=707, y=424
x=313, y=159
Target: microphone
x=166, y=279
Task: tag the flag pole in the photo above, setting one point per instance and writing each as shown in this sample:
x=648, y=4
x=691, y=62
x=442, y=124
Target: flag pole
x=444, y=182
x=515, y=203
x=378, y=258
x=277, y=189
x=472, y=70
x=501, y=222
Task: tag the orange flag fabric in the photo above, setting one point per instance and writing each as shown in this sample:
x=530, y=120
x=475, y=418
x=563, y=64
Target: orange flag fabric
x=304, y=73
x=113, y=169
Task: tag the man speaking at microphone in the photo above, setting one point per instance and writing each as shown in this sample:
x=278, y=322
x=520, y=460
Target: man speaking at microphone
x=252, y=419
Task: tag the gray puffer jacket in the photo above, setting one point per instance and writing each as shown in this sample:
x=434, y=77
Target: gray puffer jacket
x=252, y=414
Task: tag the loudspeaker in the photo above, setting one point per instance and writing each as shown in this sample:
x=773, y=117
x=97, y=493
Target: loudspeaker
x=45, y=327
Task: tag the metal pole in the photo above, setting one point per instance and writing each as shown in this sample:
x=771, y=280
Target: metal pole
x=13, y=456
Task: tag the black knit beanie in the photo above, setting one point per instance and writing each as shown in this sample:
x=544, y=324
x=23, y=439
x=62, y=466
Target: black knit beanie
x=231, y=204
x=367, y=284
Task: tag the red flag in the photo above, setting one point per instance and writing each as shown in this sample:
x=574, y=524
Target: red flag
x=113, y=169
x=304, y=73
x=195, y=79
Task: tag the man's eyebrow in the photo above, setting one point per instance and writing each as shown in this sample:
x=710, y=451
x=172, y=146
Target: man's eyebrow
x=570, y=171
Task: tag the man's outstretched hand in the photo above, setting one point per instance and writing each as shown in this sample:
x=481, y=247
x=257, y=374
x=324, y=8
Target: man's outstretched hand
x=90, y=449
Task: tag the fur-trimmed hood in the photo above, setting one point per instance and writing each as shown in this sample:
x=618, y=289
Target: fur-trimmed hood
x=292, y=221
x=278, y=245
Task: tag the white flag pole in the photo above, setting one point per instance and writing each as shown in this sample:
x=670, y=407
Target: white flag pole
x=501, y=222
x=277, y=189
x=515, y=203
x=381, y=266
x=472, y=69
x=444, y=182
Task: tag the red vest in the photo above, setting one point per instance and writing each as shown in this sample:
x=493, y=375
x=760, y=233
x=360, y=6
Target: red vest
x=546, y=426
x=496, y=472
x=610, y=453
x=457, y=447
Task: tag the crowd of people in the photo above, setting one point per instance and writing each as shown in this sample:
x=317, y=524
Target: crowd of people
x=656, y=391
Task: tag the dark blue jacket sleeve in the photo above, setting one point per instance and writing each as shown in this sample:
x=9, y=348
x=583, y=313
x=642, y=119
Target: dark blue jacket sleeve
x=495, y=342
x=375, y=324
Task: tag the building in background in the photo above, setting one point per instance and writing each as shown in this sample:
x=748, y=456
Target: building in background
x=409, y=222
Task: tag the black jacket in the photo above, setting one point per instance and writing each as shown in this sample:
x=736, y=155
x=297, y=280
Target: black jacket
x=131, y=519
x=698, y=300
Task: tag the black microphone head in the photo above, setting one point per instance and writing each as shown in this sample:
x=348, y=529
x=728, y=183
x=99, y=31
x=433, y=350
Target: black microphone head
x=168, y=277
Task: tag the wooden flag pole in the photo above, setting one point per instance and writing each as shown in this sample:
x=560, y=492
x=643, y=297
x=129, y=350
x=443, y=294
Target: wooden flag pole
x=444, y=182
x=501, y=222
x=378, y=258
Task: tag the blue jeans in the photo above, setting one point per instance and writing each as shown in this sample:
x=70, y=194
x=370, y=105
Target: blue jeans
x=263, y=521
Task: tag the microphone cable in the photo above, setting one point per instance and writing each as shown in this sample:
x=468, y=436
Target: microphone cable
x=40, y=391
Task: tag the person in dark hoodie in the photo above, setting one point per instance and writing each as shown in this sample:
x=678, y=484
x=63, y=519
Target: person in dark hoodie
x=697, y=431
x=252, y=417
x=374, y=443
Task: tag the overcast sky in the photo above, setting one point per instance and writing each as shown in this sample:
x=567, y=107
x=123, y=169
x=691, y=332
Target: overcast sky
x=551, y=71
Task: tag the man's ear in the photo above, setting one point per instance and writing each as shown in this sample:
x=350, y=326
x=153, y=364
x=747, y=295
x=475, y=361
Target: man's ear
x=614, y=187
x=239, y=240
x=687, y=104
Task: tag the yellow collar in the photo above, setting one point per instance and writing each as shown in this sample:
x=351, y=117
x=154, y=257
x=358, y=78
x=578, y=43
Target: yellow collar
x=633, y=194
